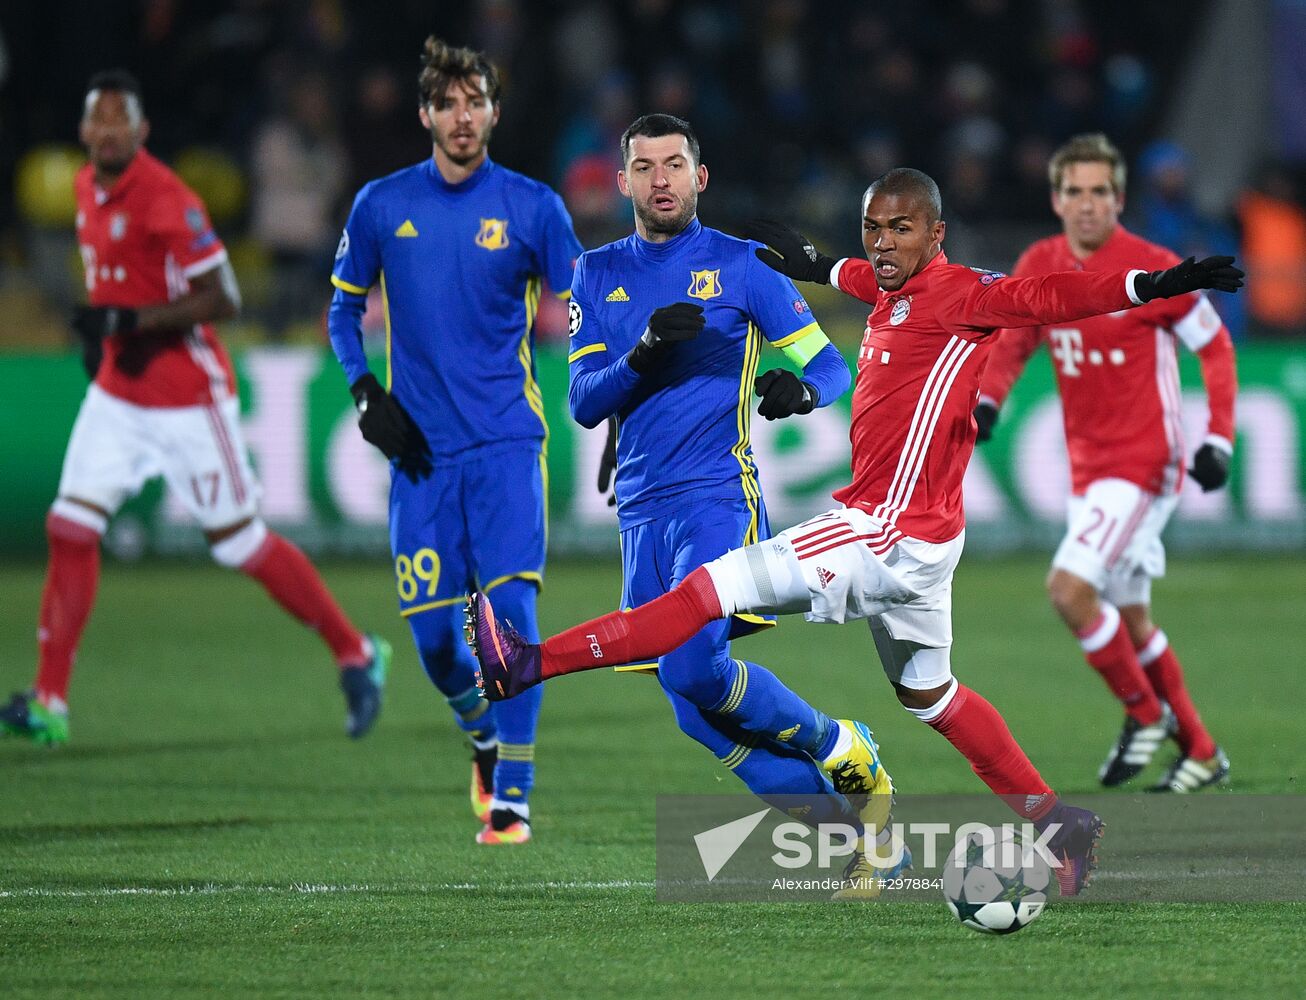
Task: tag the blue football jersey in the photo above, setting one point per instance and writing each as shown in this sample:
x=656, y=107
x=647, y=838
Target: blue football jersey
x=460, y=268
x=684, y=428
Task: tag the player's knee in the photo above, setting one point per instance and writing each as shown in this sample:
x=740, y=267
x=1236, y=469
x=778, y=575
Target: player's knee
x=1138, y=622
x=237, y=549
x=437, y=634
x=1072, y=597
x=918, y=698
x=75, y=523
x=437, y=630
x=699, y=672
x=927, y=704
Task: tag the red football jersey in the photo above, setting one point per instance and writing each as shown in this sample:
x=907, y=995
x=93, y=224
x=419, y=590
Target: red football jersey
x=141, y=241
x=1117, y=373
x=918, y=377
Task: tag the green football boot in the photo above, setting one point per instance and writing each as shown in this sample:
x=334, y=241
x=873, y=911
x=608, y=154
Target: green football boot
x=363, y=687
x=25, y=716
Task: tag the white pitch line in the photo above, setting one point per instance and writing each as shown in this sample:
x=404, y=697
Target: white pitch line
x=312, y=888
x=307, y=889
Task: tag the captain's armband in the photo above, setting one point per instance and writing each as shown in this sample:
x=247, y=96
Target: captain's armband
x=803, y=345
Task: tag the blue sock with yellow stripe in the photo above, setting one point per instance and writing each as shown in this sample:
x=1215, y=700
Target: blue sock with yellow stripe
x=791, y=781
x=516, y=718
x=759, y=702
x=782, y=775
x=438, y=634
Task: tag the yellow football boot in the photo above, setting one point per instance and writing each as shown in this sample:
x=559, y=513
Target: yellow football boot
x=862, y=779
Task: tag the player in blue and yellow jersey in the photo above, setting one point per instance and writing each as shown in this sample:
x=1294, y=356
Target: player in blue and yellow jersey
x=666, y=330
x=459, y=245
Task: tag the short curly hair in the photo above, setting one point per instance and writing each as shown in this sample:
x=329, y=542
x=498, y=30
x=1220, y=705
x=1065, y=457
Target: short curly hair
x=442, y=64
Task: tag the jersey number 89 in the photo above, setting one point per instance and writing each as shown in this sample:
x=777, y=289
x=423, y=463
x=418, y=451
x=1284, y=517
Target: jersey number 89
x=424, y=566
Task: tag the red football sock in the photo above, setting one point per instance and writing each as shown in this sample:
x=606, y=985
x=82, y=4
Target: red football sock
x=294, y=583
x=1109, y=651
x=643, y=633
x=975, y=728
x=71, y=580
x=1167, y=678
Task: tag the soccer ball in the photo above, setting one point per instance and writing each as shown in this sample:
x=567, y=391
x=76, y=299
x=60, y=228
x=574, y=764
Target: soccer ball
x=992, y=883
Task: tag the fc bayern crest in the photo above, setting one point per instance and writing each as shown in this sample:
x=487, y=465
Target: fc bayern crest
x=901, y=310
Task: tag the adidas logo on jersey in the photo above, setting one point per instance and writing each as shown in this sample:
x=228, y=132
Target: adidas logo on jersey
x=407, y=229
x=618, y=295
x=824, y=575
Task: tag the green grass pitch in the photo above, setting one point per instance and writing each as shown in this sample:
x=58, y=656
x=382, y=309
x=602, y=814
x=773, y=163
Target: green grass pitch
x=210, y=828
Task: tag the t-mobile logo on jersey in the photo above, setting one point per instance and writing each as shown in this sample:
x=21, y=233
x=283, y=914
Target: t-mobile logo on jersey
x=1068, y=349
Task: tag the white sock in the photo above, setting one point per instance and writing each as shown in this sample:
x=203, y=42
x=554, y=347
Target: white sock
x=522, y=809
x=842, y=745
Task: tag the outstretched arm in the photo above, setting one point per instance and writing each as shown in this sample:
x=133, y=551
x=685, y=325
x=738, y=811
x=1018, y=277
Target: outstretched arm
x=993, y=301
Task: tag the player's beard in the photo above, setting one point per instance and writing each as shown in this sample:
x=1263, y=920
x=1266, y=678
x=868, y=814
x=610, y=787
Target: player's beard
x=113, y=164
x=664, y=225
x=477, y=149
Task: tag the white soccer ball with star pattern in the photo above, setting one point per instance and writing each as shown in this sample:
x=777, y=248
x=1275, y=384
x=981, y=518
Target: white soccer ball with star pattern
x=993, y=882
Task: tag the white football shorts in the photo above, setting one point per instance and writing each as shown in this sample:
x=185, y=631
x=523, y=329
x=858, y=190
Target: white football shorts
x=1113, y=539
x=116, y=447
x=845, y=564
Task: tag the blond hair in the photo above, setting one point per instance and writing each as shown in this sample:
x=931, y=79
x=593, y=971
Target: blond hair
x=1091, y=147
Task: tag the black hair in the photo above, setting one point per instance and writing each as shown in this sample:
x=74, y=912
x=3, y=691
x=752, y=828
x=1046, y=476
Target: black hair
x=115, y=79
x=654, y=126
x=912, y=183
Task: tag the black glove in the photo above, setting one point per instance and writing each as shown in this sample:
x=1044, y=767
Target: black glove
x=986, y=415
x=92, y=355
x=98, y=322
x=1190, y=275
x=783, y=394
x=790, y=253
x=608, y=462
x=1210, y=467
x=387, y=425
x=92, y=324
x=669, y=325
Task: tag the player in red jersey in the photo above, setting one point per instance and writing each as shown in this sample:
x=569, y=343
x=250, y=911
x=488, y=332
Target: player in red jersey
x=889, y=552
x=1119, y=382
x=163, y=403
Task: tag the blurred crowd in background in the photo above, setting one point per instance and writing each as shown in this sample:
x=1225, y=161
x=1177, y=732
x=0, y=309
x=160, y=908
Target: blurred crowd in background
x=277, y=111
